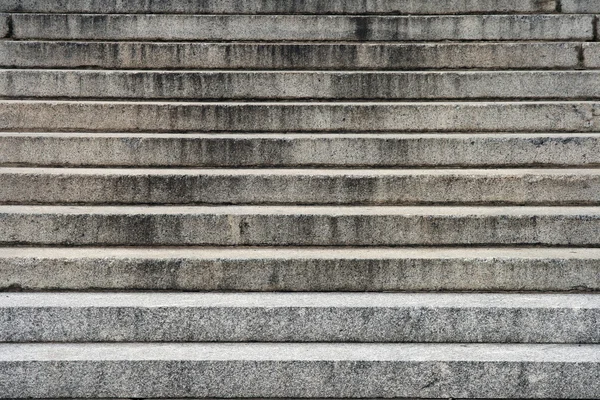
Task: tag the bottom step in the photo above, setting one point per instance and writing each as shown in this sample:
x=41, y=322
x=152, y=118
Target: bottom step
x=299, y=370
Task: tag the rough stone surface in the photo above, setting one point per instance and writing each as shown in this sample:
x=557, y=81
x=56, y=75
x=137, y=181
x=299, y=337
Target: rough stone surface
x=302, y=27
x=296, y=56
x=591, y=54
x=4, y=26
x=300, y=370
x=98, y=116
x=300, y=186
x=299, y=225
x=299, y=85
x=279, y=317
x=580, y=6
x=275, y=6
x=306, y=269
x=300, y=150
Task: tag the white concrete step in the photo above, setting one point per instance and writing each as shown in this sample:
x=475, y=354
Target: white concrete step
x=300, y=186
x=307, y=370
x=299, y=225
x=477, y=150
x=279, y=7
x=300, y=317
x=301, y=269
x=153, y=27
x=172, y=117
x=298, y=55
x=326, y=85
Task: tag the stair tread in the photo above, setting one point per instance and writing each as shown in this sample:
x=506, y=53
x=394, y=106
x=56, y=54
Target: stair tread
x=553, y=353
x=300, y=300
x=266, y=6
x=301, y=253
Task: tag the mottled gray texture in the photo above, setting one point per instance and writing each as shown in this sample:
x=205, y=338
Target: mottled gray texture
x=279, y=317
x=97, y=116
x=295, y=56
x=299, y=85
x=300, y=186
x=591, y=54
x=300, y=150
x=277, y=6
x=309, y=269
x=299, y=225
x=4, y=26
x=300, y=370
x=580, y=6
x=302, y=27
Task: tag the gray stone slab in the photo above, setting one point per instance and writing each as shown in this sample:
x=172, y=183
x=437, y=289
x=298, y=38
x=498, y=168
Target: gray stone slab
x=4, y=26
x=276, y=7
x=300, y=370
x=263, y=85
x=311, y=317
x=580, y=6
x=98, y=116
x=296, y=56
x=306, y=269
x=300, y=150
x=300, y=186
x=299, y=225
x=591, y=55
x=302, y=27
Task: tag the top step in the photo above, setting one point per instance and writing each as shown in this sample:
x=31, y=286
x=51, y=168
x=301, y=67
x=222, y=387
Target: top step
x=300, y=6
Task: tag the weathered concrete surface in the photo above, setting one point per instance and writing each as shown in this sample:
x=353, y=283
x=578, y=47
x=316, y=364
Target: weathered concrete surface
x=591, y=54
x=4, y=26
x=311, y=317
x=299, y=150
x=306, y=269
x=98, y=84
x=297, y=56
x=301, y=225
x=580, y=6
x=302, y=27
x=276, y=7
x=300, y=370
x=99, y=116
x=300, y=186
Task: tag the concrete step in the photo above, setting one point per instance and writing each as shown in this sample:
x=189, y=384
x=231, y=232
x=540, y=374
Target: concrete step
x=268, y=85
x=308, y=370
x=300, y=150
x=172, y=117
x=299, y=225
x=301, y=269
x=298, y=56
x=300, y=317
x=300, y=186
x=302, y=27
x=278, y=7
x=580, y=6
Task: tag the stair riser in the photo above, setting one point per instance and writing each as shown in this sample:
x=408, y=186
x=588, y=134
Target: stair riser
x=300, y=229
x=277, y=7
x=299, y=324
x=299, y=117
x=26, y=270
x=98, y=187
x=307, y=379
x=300, y=151
x=292, y=28
x=295, y=85
x=298, y=56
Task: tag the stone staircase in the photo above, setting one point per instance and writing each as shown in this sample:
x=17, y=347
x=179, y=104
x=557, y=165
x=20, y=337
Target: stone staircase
x=299, y=199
